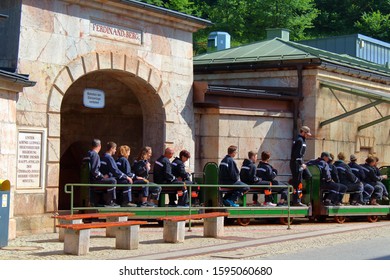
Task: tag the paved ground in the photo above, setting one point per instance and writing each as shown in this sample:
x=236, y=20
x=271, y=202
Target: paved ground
x=260, y=240
x=373, y=248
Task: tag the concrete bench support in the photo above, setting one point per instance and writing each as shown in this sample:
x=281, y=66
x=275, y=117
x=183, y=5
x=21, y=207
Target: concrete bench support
x=77, y=236
x=61, y=234
x=174, y=226
x=77, y=242
x=110, y=232
x=127, y=238
x=213, y=227
x=174, y=231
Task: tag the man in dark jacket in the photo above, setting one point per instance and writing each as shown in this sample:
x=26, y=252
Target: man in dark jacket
x=358, y=171
x=336, y=190
x=382, y=177
x=96, y=177
x=179, y=170
x=333, y=169
x=249, y=177
x=297, y=165
x=162, y=174
x=349, y=179
x=229, y=175
x=372, y=179
x=266, y=172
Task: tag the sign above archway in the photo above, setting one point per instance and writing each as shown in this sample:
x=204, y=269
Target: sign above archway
x=93, y=98
x=116, y=32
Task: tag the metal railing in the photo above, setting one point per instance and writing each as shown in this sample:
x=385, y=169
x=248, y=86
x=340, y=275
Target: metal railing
x=71, y=187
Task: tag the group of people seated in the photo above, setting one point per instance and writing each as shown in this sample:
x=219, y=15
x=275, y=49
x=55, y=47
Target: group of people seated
x=362, y=181
x=114, y=168
x=249, y=175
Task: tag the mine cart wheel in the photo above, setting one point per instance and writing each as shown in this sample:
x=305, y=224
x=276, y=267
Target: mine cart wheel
x=243, y=221
x=372, y=219
x=339, y=219
x=284, y=220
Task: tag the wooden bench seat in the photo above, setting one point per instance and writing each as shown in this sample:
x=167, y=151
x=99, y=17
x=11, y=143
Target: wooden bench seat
x=346, y=196
x=194, y=216
x=97, y=215
x=78, y=219
x=77, y=236
x=174, y=226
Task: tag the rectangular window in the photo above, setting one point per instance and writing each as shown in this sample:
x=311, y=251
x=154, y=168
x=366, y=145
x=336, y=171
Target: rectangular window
x=363, y=154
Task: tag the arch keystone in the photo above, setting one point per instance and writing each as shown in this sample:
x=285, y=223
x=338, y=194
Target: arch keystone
x=105, y=61
x=118, y=61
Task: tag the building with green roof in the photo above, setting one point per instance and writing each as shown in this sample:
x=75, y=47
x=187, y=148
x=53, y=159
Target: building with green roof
x=256, y=96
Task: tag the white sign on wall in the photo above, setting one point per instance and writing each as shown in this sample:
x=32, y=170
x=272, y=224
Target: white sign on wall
x=93, y=98
x=29, y=160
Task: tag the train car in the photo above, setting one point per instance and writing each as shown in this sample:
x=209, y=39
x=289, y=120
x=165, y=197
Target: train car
x=210, y=199
x=245, y=213
x=83, y=198
x=312, y=196
x=385, y=170
x=339, y=213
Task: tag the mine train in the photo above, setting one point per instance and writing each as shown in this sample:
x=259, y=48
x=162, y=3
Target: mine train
x=209, y=198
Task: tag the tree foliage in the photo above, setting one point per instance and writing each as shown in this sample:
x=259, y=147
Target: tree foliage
x=376, y=24
x=184, y=6
x=351, y=16
x=247, y=20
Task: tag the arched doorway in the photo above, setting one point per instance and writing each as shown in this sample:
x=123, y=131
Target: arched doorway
x=133, y=115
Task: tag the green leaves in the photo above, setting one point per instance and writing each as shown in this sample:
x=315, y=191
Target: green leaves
x=376, y=24
x=369, y=17
x=247, y=20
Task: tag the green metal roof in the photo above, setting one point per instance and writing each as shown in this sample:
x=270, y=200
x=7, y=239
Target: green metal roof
x=270, y=50
x=342, y=59
x=280, y=50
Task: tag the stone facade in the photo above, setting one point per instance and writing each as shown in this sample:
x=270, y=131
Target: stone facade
x=248, y=130
x=8, y=144
x=268, y=124
x=9, y=90
x=140, y=58
x=343, y=135
x=250, y=124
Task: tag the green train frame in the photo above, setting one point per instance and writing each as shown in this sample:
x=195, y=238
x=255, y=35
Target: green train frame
x=340, y=213
x=210, y=201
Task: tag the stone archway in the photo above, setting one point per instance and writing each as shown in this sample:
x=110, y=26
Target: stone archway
x=143, y=81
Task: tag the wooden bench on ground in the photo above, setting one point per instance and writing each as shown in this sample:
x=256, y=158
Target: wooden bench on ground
x=78, y=219
x=174, y=226
x=77, y=236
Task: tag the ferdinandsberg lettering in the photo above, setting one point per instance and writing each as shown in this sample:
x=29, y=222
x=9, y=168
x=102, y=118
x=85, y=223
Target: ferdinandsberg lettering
x=115, y=31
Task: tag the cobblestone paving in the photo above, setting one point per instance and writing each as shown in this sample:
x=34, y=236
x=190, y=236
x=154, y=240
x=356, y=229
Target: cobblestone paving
x=47, y=247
